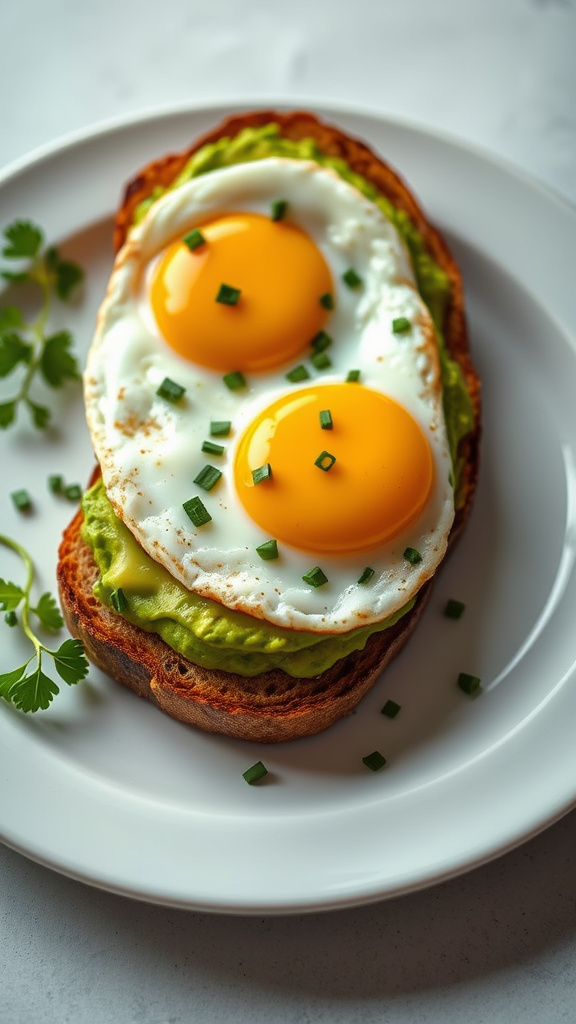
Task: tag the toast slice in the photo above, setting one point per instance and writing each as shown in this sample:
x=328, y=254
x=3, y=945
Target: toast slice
x=273, y=706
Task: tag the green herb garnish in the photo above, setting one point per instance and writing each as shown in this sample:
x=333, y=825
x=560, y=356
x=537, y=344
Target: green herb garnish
x=234, y=381
x=468, y=683
x=197, y=511
x=194, y=239
x=367, y=574
x=454, y=609
x=390, y=709
x=209, y=448
x=321, y=360
x=278, y=209
x=262, y=473
x=22, y=500
x=255, y=773
x=351, y=278
x=297, y=374
x=73, y=492
x=315, y=577
x=400, y=325
x=56, y=483
x=326, y=419
x=207, y=477
x=220, y=428
x=325, y=461
x=268, y=550
x=170, y=390
x=353, y=376
x=327, y=300
x=25, y=344
x=28, y=687
x=227, y=295
x=321, y=341
x=412, y=555
x=118, y=600
x=374, y=761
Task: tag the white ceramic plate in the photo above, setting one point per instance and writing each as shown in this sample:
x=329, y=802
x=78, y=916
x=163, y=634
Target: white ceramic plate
x=106, y=789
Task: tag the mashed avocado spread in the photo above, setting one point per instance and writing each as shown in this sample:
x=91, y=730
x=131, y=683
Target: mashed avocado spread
x=200, y=629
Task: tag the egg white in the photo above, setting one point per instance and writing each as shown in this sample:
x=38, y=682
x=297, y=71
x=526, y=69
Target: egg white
x=149, y=450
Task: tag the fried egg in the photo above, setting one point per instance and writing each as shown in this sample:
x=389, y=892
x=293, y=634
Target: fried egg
x=264, y=398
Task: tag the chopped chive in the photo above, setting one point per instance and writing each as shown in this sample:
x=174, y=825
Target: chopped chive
x=194, y=239
x=353, y=376
x=262, y=473
x=325, y=461
x=278, y=209
x=56, y=483
x=268, y=550
x=326, y=419
x=412, y=555
x=11, y=619
x=73, y=492
x=374, y=761
x=255, y=773
x=170, y=390
x=400, y=325
x=22, y=500
x=212, y=449
x=197, y=511
x=470, y=684
x=367, y=574
x=327, y=300
x=321, y=360
x=390, y=709
x=220, y=428
x=351, y=278
x=234, y=381
x=454, y=609
x=207, y=477
x=321, y=341
x=227, y=295
x=297, y=374
x=315, y=577
x=118, y=600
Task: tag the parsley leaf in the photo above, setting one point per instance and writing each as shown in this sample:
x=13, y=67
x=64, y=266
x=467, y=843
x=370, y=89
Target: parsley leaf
x=27, y=343
x=56, y=362
x=24, y=240
x=32, y=690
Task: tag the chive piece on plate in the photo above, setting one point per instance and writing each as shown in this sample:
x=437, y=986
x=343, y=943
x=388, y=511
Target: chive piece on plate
x=325, y=461
x=321, y=360
x=351, y=278
x=353, y=376
x=10, y=618
x=56, y=483
x=367, y=574
x=234, y=381
x=401, y=324
x=220, y=428
x=412, y=555
x=390, y=709
x=374, y=761
x=326, y=419
x=255, y=773
x=262, y=473
x=315, y=577
x=118, y=600
x=297, y=374
x=194, y=239
x=327, y=300
x=278, y=209
x=209, y=448
x=170, y=390
x=73, y=492
x=22, y=500
x=321, y=341
x=207, y=477
x=227, y=295
x=197, y=511
x=468, y=683
x=268, y=550
x=454, y=609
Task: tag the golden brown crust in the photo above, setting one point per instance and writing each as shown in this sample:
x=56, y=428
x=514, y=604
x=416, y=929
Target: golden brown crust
x=271, y=707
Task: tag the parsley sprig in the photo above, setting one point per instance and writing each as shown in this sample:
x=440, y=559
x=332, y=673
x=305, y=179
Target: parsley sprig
x=28, y=687
x=27, y=344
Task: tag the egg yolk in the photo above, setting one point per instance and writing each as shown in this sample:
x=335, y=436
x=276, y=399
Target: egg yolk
x=340, y=490
x=280, y=276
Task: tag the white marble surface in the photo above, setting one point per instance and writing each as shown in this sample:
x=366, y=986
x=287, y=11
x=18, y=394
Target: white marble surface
x=498, y=944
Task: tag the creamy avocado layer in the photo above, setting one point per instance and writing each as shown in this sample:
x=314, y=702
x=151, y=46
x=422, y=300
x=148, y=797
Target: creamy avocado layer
x=200, y=629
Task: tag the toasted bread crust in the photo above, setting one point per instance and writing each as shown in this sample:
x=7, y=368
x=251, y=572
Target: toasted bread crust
x=271, y=707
